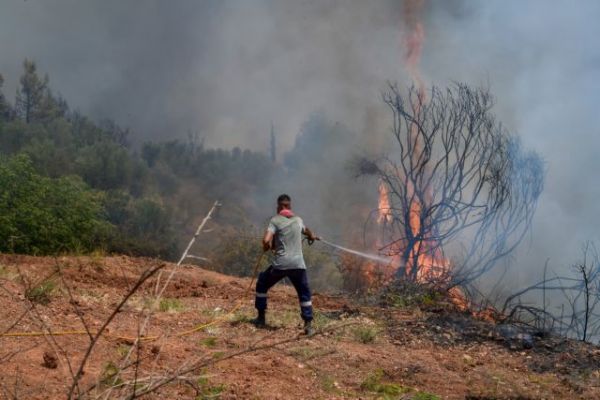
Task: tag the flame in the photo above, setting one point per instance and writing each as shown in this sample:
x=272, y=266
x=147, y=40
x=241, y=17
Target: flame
x=413, y=39
x=414, y=217
x=385, y=209
x=432, y=265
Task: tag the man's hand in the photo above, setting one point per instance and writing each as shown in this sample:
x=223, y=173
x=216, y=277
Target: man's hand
x=266, y=246
x=310, y=236
x=312, y=240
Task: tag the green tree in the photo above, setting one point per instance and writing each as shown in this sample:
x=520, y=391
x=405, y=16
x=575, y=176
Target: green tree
x=40, y=215
x=151, y=198
x=34, y=101
x=151, y=153
x=50, y=147
x=105, y=165
x=144, y=226
x=5, y=109
x=237, y=252
x=13, y=136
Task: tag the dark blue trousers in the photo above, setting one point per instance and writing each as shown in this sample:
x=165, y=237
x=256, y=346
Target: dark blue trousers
x=271, y=276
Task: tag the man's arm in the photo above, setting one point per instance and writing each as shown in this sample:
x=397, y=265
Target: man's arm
x=267, y=241
x=310, y=235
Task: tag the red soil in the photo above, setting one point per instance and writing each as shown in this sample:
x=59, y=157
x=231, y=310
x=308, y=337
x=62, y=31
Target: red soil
x=385, y=350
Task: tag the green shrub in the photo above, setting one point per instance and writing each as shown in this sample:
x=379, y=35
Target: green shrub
x=109, y=372
x=329, y=384
x=209, y=391
x=240, y=318
x=238, y=252
x=373, y=383
x=41, y=293
x=143, y=226
x=320, y=320
x=170, y=305
x=365, y=334
x=409, y=294
x=210, y=341
x=123, y=350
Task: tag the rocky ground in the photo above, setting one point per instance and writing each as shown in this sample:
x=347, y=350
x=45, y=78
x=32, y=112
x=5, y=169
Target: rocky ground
x=367, y=352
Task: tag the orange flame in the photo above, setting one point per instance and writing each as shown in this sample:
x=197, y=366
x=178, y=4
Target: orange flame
x=413, y=41
x=385, y=209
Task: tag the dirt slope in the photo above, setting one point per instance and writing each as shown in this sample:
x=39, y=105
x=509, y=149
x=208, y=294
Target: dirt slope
x=404, y=353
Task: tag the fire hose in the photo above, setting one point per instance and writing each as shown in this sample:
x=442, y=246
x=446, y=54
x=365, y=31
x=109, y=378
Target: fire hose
x=373, y=257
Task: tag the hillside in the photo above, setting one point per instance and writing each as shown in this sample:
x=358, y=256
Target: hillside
x=360, y=351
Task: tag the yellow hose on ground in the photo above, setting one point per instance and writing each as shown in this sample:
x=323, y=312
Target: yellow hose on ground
x=150, y=338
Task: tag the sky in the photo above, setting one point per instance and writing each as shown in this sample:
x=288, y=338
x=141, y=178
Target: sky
x=228, y=69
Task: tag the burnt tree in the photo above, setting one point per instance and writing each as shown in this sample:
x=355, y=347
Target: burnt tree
x=461, y=190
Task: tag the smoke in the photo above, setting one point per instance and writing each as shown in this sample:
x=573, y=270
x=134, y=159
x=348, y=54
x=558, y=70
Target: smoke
x=226, y=69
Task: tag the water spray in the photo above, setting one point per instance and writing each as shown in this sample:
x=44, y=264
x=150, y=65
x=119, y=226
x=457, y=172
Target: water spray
x=370, y=256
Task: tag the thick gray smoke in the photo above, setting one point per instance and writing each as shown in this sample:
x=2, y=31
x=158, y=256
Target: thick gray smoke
x=226, y=69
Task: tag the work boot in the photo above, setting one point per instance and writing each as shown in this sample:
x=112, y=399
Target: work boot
x=308, y=329
x=260, y=321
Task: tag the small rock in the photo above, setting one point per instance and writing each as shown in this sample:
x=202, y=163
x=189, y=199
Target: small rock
x=50, y=360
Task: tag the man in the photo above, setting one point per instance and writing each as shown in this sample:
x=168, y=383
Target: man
x=284, y=237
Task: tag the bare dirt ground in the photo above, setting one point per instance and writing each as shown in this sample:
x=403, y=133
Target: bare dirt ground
x=375, y=353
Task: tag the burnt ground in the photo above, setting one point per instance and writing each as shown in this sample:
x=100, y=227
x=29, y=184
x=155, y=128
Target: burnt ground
x=376, y=351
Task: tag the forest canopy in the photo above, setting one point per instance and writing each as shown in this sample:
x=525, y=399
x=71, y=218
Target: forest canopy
x=69, y=184
x=72, y=185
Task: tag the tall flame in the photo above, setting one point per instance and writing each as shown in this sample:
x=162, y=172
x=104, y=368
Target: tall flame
x=414, y=38
x=431, y=263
